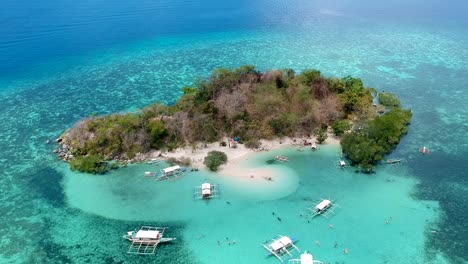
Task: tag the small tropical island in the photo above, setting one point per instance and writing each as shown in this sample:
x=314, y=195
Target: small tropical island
x=244, y=107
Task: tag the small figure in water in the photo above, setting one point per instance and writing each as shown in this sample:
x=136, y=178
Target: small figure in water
x=273, y=213
x=219, y=243
x=317, y=242
x=331, y=226
x=388, y=220
x=279, y=219
x=233, y=242
x=228, y=202
x=345, y=251
x=336, y=244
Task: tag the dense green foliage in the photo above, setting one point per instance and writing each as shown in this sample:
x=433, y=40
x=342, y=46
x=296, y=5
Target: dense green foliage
x=340, y=127
x=388, y=99
x=90, y=164
x=215, y=159
x=241, y=102
x=367, y=145
x=321, y=134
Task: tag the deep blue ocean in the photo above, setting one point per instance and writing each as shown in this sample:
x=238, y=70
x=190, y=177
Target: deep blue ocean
x=61, y=61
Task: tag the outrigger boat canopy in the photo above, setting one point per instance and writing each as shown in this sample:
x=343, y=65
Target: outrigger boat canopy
x=279, y=246
x=145, y=240
x=206, y=191
x=174, y=171
x=323, y=204
x=324, y=208
x=171, y=169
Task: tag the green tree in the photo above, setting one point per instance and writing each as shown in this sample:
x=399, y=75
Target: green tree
x=340, y=127
x=389, y=100
x=321, y=134
x=157, y=133
x=309, y=76
x=89, y=164
x=215, y=159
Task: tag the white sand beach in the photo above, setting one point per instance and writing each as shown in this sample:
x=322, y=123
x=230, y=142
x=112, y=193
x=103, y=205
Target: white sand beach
x=237, y=156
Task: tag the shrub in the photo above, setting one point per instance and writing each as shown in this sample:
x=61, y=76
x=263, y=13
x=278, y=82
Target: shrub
x=215, y=159
x=171, y=161
x=183, y=161
x=389, y=100
x=321, y=134
x=340, y=126
x=252, y=144
x=90, y=164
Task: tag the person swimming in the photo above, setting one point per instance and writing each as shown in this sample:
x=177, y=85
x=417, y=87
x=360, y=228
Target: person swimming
x=279, y=219
x=345, y=251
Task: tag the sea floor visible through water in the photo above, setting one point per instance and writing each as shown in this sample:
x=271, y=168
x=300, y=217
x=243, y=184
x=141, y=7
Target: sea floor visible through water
x=53, y=215
x=377, y=220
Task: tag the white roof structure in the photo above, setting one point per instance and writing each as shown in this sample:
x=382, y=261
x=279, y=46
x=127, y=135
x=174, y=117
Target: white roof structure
x=280, y=243
x=206, y=188
x=307, y=258
x=171, y=169
x=323, y=204
x=151, y=234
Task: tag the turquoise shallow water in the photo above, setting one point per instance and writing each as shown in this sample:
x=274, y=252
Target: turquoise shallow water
x=53, y=215
x=246, y=216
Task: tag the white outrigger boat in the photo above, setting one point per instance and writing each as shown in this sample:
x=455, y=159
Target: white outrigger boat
x=206, y=191
x=313, y=147
x=279, y=246
x=342, y=163
x=154, y=161
x=150, y=174
x=173, y=172
x=306, y=258
x=324, y=208
x=145, y=240
x=281, y=158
